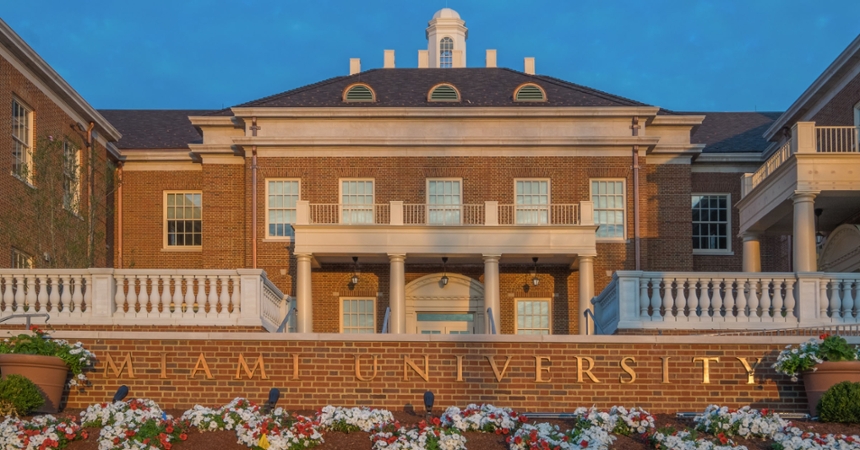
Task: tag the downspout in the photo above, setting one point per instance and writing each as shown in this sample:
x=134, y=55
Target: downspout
x=254, y=205
x=91, y=187
x=119, y=215
x=636, y=235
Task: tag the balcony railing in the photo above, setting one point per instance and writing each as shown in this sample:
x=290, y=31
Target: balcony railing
x=144, y=297
x=702, y=300
x=486, y=214
x=836, y=139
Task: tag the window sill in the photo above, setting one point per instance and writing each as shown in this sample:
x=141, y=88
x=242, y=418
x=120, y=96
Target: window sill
x=612, y=241
x=31, y=186
x=182, y=249
x=713, y=252
x=279, y=240
x=76, y=214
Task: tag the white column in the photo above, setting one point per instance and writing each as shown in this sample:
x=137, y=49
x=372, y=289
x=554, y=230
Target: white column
x=752, y=252
x=804, y=231
x=586, y=291
x=491, y=293
x=397, y=294
x=304, y=296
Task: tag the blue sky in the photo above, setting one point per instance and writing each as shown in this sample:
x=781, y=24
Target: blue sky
x=686, y=55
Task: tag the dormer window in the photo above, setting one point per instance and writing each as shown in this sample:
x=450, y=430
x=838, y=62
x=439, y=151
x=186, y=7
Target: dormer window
x=358, y=93
x=529, y=93
x=446, y=53
x=443, y=93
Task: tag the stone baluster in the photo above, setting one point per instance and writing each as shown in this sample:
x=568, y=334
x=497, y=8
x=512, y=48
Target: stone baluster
x=704, y=301
x=188, y=300
x=78, y=296
x=143, y=298
x=753, y=301
x=235, y=299
x=778, y=300
x=790, y=313
x=692, y=301
x=54, y=296
x=66, y=294
x=847, y=300
x=764, y=311
x=716, y=299
x=200, y=295
x=166, y=296
x=119, y=296
x=744, y=289
x=176, y=300
x=133, y=302
x=680, y=300
x=835, y=299
x=212, y=299
x=42, y=297
x=6, y=298
x=644, y=300
x=729, y=299
x=88, y=294
x=668, y=301
x=224, y=298
x=30, y=294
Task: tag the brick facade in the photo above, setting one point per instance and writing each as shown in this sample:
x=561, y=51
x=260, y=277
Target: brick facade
x=326, y=372
x=839, y=111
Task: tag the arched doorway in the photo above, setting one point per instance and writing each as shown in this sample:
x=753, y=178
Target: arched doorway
x=456, y=308
x=841, y=252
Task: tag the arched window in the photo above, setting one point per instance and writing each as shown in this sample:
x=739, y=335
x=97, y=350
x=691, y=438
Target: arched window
x=446, y=53
x=358, y=93
x=529, y=93
x=443, y=93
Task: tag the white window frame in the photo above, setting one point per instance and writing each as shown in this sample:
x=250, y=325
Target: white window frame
x=19, y=256
x=28, y=151
x=448, y=64
x=341, y=204
x=623, y=237
x=548, y=199
x=729, y=234
x=527, y=299
x=430, y=208
x=72, y=182
x=180, y=248
x=340, y=311
x=857, y=115
x=276, y=237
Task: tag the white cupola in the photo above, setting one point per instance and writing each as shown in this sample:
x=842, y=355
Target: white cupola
x=446, y=39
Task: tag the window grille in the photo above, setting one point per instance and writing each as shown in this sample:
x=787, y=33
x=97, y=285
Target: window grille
x=608, y=197
x=711, y=222
x=533, y=317
x=446, y=53
x=282, y=198
x=184, y=219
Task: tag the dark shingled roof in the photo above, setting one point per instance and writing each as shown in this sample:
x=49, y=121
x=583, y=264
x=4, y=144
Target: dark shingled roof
x=154, y=128
x=733, y=132
x=409, y=88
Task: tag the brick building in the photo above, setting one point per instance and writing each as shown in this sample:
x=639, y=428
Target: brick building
x=445, y=200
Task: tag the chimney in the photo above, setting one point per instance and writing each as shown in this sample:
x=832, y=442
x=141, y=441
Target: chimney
x=529, y=66
x=423, y=59
x=354, y=66
x=388, y=59
x=491, y=58
x=457, y=61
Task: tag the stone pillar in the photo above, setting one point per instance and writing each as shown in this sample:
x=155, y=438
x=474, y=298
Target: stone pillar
x=304, y=296
x=491, y=293
x=804, y=231
x=586, y=292
x=397, y=294
x=752, y=252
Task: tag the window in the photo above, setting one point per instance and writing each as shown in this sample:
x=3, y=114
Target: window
x=444, y=93
x=358, y=315
x=532, y=316
x=71, y=177
x=446, y=53
x=21, y=260
x=609, y=208
x=529, y=93
x=184, y=221
x=22, y=139
x=532, y=200
x=444, y=202
x=281, y=196
x=711, y=219
x=359, y=93
x=356, y=201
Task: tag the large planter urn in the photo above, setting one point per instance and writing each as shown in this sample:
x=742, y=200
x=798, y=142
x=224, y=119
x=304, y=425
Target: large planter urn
x=826, y=375
x=48, y=373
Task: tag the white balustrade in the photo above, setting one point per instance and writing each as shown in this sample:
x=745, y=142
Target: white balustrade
x=140, y=297
x=836, y=139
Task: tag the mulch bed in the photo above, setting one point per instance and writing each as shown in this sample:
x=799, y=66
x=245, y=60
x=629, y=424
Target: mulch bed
x=226, y=440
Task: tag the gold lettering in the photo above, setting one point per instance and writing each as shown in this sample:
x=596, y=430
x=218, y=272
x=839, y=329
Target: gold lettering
x=163, y=373
x=627, y=369
x=580, y=370
x=750, y=370
x=425, y=374
x=499, y=375
x=201, y=364
x=126, y=362
x=295, y=366
x=250, y=372
x=459, y=368
x=539, y=368
x=665, y=369
x=706, y=367
x=358, y=369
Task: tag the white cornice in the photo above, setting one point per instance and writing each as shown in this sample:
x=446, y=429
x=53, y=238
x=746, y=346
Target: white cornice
x=848, y=56
x=157, y=155
x=402, y=112
x=677, y=120
x=215, y=149
x=721, y=158
x=53, y=81
x=687, y=149
x=216, y=121
x=447, y=142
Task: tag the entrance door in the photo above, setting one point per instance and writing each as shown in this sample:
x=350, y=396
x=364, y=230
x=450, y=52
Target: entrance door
x=446, y=323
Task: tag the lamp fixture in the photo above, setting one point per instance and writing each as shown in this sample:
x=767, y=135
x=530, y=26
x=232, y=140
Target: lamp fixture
x=428, y=402
x=354, y=278
x=121, y=393
x=819, y=235
x=535, y=279
x=444, y=279
x=274, y=396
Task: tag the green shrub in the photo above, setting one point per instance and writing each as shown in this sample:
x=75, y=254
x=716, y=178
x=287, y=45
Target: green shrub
x=18, y=395
x=841, y=403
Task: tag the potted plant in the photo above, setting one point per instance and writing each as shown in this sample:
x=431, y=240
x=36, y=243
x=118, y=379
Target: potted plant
x=823, y=362
x=46, y=362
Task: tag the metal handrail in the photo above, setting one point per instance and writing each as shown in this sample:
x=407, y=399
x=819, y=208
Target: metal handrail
x=28, y=316
x=597, y=328
x=492, y=322
x=283, y=325
x=385, y=320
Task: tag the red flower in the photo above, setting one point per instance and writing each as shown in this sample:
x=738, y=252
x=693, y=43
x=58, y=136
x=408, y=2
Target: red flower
x=183, y=436
x=583, y=444
x=824, y=336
